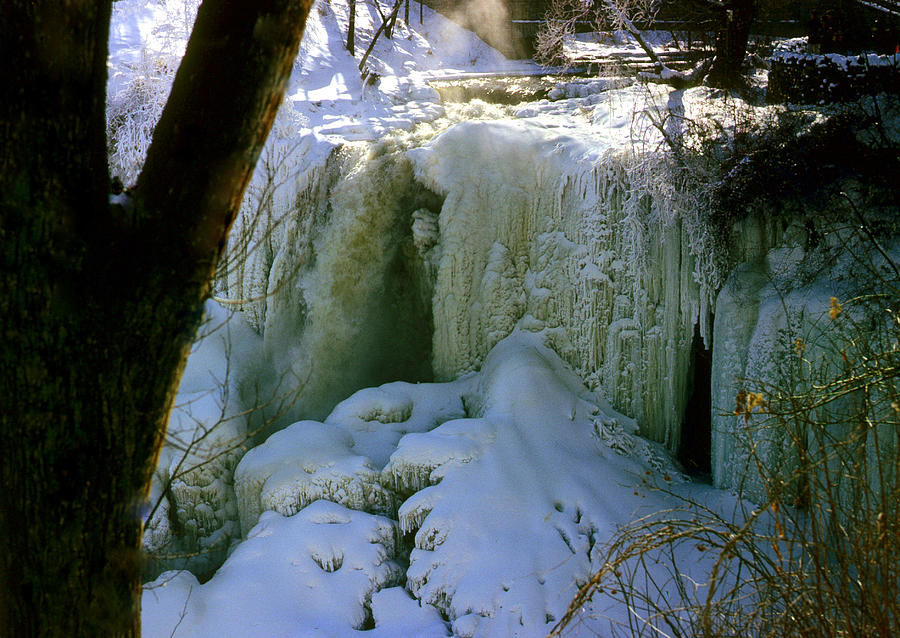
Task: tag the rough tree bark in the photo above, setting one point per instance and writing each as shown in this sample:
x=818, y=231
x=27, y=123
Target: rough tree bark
x=351, y=29
x=99, y=303
x=731, y=44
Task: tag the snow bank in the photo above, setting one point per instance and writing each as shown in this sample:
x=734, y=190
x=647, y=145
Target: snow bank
x=310, y=574
x=517, y=476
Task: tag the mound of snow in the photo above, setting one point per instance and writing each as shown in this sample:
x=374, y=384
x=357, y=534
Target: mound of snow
x=517, y=499
x=310, y=574
x=341, y=459
x=301, y=464
x=516, y=477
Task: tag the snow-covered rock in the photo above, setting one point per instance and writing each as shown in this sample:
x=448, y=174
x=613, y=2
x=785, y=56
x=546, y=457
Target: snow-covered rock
x=312, y=573
x=303, y=463
x=517, y=498
x=341, y=460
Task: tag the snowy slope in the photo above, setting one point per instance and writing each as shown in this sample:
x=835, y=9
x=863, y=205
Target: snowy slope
x=326, y=95
x=511, y=501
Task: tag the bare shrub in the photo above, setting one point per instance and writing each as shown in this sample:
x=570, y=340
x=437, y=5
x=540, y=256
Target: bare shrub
x=818, y=553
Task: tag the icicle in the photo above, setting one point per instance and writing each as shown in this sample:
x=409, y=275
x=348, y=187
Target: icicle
x=548, y=233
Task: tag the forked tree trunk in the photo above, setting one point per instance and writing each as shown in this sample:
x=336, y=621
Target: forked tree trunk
x=99, y=304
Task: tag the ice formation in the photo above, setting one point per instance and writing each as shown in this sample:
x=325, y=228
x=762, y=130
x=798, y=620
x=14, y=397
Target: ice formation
x=536, y=264
x=541, y=228
x=329, y=279
x=774, y=309
x=516, y=260
x=394, y=250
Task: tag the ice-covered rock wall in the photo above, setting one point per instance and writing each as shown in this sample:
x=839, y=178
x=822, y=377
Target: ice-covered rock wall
x=416, y=256
x=544, y=231
x=806, y=298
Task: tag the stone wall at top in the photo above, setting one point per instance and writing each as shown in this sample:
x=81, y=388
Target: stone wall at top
x=806, y=78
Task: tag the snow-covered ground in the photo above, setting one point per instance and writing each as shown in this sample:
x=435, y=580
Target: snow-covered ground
x=470, y=508
x=513, y=478
x=327, y=96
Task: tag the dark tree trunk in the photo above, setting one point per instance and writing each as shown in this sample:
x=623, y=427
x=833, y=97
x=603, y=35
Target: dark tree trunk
x=731, y=44
x=392, y=20
x=98, y=304
x=351, y=29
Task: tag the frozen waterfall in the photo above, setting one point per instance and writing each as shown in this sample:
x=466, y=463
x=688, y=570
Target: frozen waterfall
x=403, y=260
x=514, y=308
